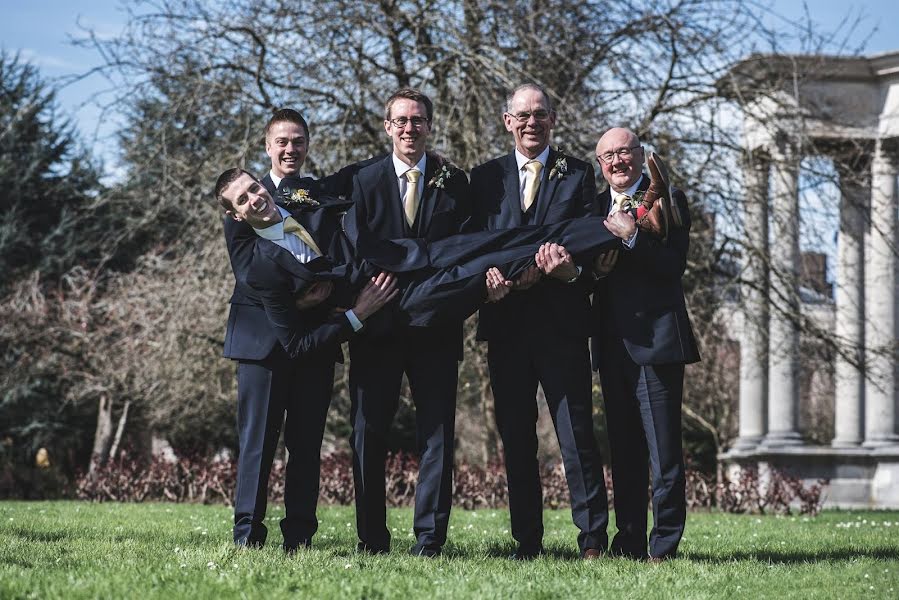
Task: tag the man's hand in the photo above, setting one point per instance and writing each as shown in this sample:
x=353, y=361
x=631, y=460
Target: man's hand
x=497, y=285
x=555, y=261
x=376, y=293
x=531, y=276
x=621, y=224
x=604, y=263
x=317, y=293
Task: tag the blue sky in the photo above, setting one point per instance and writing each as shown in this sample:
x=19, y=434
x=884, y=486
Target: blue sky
x=42, y=31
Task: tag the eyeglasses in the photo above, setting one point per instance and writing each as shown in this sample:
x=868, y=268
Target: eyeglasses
x=400, y=122
x=524, y=117
x=622, y=153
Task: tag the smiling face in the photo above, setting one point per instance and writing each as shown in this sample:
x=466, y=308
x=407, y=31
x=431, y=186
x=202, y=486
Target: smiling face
x=409, y=141
x=286, y=144
x=251, y=202
x=620, y=172
x=531, y=134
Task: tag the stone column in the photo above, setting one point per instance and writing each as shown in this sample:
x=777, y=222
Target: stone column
x=783, y=340
x=880, y=335
x=754, y=292
x=850, y=306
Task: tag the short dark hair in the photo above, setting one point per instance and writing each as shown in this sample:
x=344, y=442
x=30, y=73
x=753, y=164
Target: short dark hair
x=290, y=115
x=409, y=94
x=225, y=179
x=529, y=86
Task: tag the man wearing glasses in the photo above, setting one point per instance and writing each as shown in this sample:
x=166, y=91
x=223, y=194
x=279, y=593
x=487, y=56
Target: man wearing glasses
x=409, y=194
x=643, y=340
x=537, y=327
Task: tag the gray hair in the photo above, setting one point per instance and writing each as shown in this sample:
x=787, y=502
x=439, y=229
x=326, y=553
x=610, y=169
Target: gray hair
x=529, y=86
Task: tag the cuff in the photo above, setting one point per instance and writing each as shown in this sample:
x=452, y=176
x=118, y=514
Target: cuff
x=353, y=319
x=629, y=244
x=580, y=270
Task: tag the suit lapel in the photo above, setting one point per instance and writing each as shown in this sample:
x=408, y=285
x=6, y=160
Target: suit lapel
x=513, y=191
x=269, y=185
x=605, y=202
x=547, y=188
x=388, y=195
x=429, y=197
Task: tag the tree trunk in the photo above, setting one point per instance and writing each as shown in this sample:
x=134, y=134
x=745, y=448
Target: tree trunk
x=102, y=435
x=123, y=418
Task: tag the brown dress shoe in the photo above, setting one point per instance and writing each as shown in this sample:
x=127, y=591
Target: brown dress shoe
x=591, y=554
x=655, y=211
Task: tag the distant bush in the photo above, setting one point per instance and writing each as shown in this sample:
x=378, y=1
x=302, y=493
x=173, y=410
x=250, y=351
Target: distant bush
x=213, y=481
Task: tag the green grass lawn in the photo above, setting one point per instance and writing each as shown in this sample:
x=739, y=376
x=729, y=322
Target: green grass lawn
x=76, y=549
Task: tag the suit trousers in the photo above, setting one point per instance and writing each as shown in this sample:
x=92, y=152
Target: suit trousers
x=561, y=365
x=376, y=373
x=265, y=391
x=643, y=414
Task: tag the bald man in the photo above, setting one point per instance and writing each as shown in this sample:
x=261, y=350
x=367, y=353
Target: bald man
x=643, y=341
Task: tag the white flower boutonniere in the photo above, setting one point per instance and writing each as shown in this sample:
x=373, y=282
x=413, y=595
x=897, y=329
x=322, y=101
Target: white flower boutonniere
x=635, y=202
x=298, y=197
x=443, y=174
x=560, y=168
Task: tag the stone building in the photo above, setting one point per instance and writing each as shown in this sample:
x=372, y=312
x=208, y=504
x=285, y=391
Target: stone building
x=845, y=108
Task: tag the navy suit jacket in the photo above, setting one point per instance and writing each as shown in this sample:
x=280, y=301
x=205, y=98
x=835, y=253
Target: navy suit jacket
x=378, y=215
x=255, y=323
x=551, y=306
x=642, y=299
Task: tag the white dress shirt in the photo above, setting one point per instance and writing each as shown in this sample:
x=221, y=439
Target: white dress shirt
x=613, y=208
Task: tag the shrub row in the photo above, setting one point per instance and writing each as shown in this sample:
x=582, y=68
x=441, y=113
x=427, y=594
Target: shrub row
x=213, y=480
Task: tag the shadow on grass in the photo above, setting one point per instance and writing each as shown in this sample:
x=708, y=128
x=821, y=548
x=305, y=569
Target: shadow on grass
x=30, y=535
x=786, y=557
x=50, y=537
x=505, y=550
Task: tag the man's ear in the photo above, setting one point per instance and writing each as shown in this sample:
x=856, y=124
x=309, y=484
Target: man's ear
x=233, y=215
x=507, y=121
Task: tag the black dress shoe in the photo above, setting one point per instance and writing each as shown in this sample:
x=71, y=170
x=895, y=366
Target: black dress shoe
x=527, y=553
x=426, y=551
x=363, y=547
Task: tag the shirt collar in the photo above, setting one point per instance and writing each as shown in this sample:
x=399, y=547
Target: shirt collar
x=275, y=179
x=522, y=160
x=400, y=167
x=276, y=231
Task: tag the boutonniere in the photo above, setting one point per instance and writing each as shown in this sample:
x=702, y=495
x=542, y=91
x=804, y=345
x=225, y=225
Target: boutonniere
x=635, y=201
x=445, y=172
x=297, y=197
x=560, y=168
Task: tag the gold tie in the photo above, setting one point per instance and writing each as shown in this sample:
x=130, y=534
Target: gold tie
x=531, y=183
x=410, y=200
x=620, y=199
x=291, y=225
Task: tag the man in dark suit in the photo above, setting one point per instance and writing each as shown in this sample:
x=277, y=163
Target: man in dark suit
x=409, y=194
x=265, y=372
x=285, y=356
x=643, y=341
x=537, y=327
